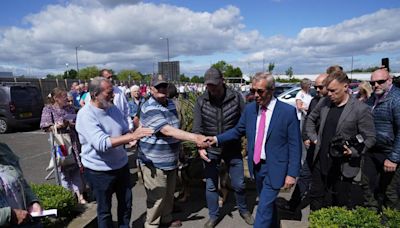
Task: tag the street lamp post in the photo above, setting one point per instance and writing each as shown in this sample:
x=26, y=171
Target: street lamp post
x=67, y=64
x=76, y=55
x=168, y=66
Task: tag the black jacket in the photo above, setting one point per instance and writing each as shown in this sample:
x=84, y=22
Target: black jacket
x=211, y=119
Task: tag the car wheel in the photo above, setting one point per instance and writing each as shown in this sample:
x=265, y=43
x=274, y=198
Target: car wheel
x=3, y=125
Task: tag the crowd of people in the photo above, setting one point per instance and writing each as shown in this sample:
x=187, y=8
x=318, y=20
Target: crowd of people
x=350, y=144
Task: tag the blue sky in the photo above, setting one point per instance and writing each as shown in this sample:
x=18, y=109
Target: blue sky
x=39, y=37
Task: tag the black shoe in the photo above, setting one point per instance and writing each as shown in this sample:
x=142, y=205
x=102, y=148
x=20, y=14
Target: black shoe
x=210, y=223
x=248, y=218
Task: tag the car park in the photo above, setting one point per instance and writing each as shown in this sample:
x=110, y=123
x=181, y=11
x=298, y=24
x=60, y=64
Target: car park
x=289, y=96
x=21, y=104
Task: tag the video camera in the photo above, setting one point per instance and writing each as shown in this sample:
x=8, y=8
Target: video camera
x=338, y=142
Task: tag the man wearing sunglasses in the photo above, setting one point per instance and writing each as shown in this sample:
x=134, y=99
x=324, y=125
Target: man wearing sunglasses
x=300, y=196
x=158, y=153
x=336, y=166
x=273, y=145
x=381, y=162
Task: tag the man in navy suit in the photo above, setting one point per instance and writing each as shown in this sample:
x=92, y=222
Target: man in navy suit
x=273, y=144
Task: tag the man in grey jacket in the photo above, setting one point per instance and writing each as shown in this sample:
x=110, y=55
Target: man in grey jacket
x=345, y=133
x=215, y=112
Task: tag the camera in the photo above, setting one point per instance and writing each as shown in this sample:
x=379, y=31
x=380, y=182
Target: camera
x=338, y=142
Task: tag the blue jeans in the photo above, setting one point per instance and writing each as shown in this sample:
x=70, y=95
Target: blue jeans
x=103, y=185
x=235, y=168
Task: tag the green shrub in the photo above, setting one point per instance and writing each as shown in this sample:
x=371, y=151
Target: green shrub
x=392, y=217
x=55, y=197
x=341, y=217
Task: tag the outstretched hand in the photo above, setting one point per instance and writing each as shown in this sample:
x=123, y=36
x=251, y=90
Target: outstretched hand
x=203, y=155
x=202, y=141
x=141, y=132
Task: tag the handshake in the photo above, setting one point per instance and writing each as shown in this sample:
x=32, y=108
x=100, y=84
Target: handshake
x=204, y=142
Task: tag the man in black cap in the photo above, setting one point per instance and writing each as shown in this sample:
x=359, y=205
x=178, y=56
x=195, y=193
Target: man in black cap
x=216, y=111
x=158, y=153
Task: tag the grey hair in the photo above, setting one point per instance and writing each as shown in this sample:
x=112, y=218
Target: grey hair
x=95, y=86
x=265, y=76
x=305, y=82
x=134, y=87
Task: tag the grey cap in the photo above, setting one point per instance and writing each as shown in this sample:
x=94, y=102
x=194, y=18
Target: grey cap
x=158, y=79
x=213, y=76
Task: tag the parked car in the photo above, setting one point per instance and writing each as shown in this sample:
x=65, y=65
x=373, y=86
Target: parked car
x=20, y=104
x=289, y=96
x=283, y=87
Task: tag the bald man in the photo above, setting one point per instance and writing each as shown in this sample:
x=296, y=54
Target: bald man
x=299, y=198
x=382, y=161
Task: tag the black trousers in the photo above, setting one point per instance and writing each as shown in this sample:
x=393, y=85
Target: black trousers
x=381, y=188
x=332, y=189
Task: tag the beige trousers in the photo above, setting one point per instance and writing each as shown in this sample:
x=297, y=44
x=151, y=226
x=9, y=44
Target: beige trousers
x=160, y=189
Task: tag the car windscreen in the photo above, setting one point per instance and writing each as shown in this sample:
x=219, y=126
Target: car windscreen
x=25, y=95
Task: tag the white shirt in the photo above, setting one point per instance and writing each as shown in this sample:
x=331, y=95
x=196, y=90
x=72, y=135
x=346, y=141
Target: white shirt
x=305, y=98
x=270, y=110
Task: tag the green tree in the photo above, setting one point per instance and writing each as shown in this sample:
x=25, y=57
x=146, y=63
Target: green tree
x=70, y=74
x=134, y=75
x=183, y=78
x=197, y=79
x=289, y=72
x=271, y=67
x=88, y=72
x=227, y=69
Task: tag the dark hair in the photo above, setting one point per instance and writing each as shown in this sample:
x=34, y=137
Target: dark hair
x=340, y=76
x=172, y=91
x=334, y=68
x=104, y=70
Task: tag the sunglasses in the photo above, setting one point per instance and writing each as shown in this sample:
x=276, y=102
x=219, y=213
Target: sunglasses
x=380, y=82
x=70, y=101
x=319, y=87
x=259, y=91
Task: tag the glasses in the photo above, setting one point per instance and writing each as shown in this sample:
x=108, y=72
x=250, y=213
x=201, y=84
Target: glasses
x=70, y=101
x=380, y=82
x=320, y=87
x=259, y=91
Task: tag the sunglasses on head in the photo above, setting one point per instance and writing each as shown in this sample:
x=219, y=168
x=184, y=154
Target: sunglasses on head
x=259, y=91
x=380, y=82
x=319, y=87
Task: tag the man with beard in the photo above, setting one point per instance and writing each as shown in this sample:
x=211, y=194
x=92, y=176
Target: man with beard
x=119, y=99
x=345, y=133
x=103, y=135
x=381, y=162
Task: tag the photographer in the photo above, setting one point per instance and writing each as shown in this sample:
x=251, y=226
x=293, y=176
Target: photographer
x=346, y=131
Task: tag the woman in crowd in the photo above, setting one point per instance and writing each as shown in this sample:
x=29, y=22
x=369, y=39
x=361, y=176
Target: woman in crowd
x=303, y=98
x=61, y=116
x=364, y=91
x=17, y=200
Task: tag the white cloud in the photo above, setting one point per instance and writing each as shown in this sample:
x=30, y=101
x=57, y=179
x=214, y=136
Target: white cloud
x=125, y=34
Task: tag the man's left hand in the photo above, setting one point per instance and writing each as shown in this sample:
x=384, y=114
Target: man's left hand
x=389, y=166
x=289, y=182
x=347, y=150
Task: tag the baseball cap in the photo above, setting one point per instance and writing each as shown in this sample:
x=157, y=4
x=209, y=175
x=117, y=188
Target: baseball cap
x=158, y=79
x=213, y=76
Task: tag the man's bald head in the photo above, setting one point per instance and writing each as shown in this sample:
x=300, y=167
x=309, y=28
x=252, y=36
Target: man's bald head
x=320, y=85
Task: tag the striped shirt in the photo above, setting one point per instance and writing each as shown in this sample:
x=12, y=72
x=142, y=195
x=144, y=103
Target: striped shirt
x=159, y=150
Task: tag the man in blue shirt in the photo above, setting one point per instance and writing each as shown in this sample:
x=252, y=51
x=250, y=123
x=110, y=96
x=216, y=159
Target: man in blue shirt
x=103, y=133
x=158, y=154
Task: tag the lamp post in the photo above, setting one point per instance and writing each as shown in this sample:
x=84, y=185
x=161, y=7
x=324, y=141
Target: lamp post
x=166, y=38
x=67, y=64
x=76, y=55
